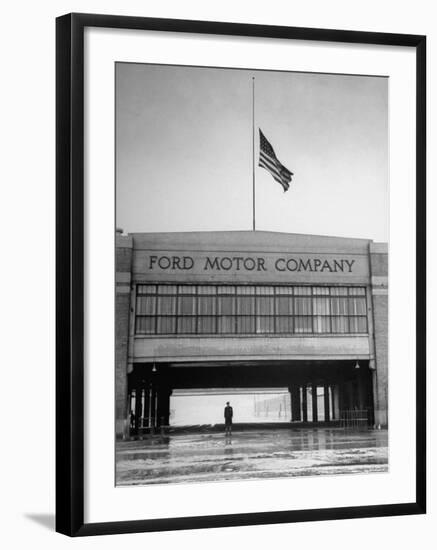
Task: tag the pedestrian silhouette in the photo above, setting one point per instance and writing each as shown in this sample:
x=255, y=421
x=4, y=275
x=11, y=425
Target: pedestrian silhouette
x=229, y=413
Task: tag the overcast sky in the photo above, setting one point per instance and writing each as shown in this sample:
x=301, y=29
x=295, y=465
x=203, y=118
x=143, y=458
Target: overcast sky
x=184, y=151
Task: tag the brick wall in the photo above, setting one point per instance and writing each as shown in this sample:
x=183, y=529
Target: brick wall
x=379, y=287
x=123, y=261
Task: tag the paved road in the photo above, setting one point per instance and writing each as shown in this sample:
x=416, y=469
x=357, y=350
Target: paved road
x=251, y=455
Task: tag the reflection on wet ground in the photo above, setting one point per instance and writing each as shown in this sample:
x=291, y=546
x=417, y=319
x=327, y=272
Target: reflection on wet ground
x=251, y=455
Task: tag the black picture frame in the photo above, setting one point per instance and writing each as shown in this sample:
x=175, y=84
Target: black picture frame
x=70, y=273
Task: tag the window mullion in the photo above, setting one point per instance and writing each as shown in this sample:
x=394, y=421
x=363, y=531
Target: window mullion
x=196, y=309
x=312, y=311
x=274, y=311
x=136, y=309
x=177, y=310
x=234, y=310
x=156, y=310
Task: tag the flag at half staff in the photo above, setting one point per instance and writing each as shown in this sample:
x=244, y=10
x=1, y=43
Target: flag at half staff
x=268, y=160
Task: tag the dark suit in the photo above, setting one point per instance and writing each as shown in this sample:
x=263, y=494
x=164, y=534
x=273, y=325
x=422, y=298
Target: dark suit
x=229, y=413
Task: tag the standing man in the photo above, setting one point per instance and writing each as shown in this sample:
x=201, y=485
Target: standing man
x=228, y=418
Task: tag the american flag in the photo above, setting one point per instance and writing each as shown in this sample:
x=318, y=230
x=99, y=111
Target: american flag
x=268, y=160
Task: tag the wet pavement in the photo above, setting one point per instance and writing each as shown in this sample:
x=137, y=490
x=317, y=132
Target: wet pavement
x=271, y=453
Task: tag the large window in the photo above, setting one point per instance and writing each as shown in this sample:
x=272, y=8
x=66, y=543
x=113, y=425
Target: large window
x=250, y=309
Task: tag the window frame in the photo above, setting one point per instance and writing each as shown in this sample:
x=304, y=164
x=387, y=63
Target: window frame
x=259, y=293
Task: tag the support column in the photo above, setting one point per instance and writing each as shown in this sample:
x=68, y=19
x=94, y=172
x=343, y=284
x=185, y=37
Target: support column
x=336, y=402
x=138, y=407
x=130, y=410
x=326, y=389
x=314, y=396
x=155, y=407
x=375, y=398
x=123, y=259
x=150, y=406
x=295, y=403
x=304, y=404
x=379, y=304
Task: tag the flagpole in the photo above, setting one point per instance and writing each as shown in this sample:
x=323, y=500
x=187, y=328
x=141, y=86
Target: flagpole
x=253, y=151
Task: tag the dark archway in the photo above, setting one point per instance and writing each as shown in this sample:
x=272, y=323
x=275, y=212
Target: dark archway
x=318, y=389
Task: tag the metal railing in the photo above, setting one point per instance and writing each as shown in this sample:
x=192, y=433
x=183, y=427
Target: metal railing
x=148, y=427
x=354, y=418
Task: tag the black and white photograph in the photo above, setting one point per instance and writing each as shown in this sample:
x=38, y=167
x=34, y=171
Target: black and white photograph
x=215, y=214
x=251, y=259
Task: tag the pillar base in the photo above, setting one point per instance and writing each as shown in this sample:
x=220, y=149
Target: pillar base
x=381, y=418
x=121, y=429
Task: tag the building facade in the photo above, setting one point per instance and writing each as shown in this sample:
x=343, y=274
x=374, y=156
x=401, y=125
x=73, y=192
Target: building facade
x=250, y=309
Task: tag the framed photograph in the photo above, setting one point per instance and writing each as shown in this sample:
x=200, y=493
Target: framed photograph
x=240, y=274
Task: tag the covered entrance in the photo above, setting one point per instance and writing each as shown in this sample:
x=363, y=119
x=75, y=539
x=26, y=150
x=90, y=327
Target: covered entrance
x=302, y=392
